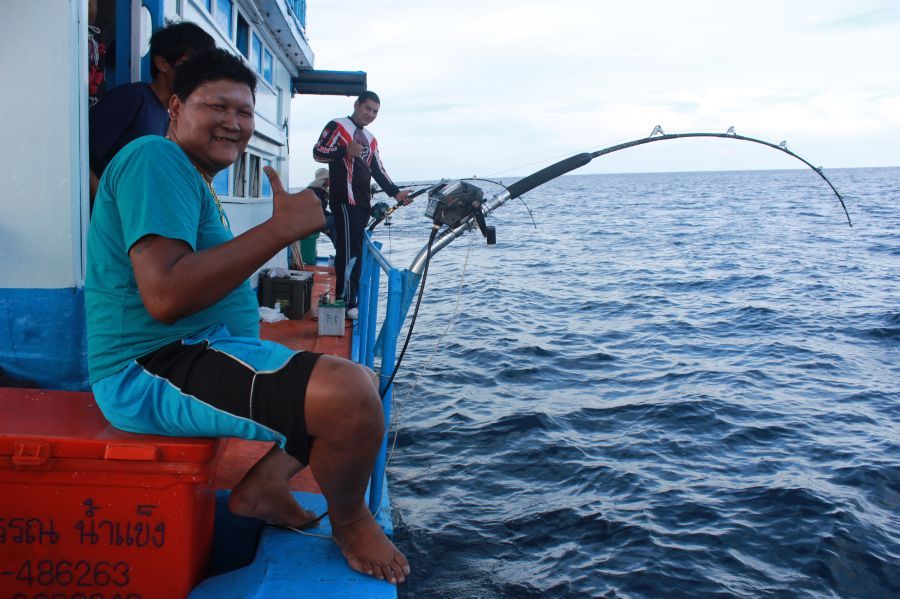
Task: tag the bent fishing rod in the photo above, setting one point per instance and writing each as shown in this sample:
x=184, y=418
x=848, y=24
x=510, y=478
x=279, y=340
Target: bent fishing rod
x=460, y=206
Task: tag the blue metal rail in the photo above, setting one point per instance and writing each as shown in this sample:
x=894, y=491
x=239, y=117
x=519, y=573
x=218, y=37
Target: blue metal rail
x=369, y=341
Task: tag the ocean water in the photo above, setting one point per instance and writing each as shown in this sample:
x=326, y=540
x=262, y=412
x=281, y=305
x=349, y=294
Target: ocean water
x=675, y=385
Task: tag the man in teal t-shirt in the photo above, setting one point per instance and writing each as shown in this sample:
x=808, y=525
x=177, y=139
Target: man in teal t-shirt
x=173, y=333
x=178, y=205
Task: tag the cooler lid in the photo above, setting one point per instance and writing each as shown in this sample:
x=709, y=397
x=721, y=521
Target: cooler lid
x=69, y=424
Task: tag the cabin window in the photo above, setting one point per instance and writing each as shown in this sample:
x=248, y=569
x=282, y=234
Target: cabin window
x=208, y=4
x=253, y=180
x=267, y=66
x=257, y=53
x=242, y=36
x=240, y=176
x=224, y=16
x=265, y=187
x=220, y=182
x=174, y=7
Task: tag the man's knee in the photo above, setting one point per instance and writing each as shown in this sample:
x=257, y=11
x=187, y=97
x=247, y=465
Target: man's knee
x=361, y=403
x=343, y=398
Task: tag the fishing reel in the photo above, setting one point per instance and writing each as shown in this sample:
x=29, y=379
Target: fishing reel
x=450, y=202
x=380, y=211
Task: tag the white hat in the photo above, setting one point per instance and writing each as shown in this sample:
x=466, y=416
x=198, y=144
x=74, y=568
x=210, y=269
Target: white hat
x=321, y=178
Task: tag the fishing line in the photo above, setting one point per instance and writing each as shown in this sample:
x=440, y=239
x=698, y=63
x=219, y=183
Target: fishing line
x=506, y=188
x=412, y=323
x=516, y=190
x=395, y=416
x=659, y=135
x=317, y=523
x=542, y=161
x=390, y=243
x=486, y=180
x=842, y=289
x=387, y=386
x=578, y=160
x=306, y=532
x=558, y=156
x=451, y=321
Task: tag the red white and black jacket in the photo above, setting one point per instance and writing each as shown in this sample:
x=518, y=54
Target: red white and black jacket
x=350, y=178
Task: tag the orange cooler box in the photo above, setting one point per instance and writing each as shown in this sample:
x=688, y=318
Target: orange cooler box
x=88, y=511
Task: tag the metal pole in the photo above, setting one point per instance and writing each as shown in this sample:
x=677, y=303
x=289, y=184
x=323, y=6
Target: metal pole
x=391, y=328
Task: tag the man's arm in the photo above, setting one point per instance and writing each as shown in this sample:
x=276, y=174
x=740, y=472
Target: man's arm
x=331, y=145
x=174, y=281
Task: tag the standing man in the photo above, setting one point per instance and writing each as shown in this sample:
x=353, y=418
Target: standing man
x=137, y=109
x=351, y=152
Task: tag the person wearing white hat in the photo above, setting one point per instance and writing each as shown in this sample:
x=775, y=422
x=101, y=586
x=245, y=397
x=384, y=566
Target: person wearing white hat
x=319, y=186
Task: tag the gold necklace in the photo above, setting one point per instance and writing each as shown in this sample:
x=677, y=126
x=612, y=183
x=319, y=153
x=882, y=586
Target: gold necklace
x=215, y=197
x=209, y=185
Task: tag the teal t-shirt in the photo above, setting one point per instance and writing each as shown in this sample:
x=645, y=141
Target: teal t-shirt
x=150, y=188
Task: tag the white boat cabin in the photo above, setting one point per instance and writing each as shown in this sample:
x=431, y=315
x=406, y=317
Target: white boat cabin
x=48, y=47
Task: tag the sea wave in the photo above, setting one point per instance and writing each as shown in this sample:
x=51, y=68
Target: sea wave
x=678, y=385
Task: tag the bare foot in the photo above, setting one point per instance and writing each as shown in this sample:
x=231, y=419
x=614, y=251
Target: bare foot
x=269, y=499
x=368, y=550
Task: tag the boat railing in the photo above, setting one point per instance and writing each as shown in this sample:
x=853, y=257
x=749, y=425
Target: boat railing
x=370, y=340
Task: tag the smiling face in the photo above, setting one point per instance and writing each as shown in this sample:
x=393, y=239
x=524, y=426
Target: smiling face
x=213, y=124
x=365, y=112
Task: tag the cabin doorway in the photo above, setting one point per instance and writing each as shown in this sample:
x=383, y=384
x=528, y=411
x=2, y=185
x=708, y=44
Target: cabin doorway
x=118, y=42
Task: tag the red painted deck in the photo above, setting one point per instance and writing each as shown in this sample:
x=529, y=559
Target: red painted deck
x=239, y=455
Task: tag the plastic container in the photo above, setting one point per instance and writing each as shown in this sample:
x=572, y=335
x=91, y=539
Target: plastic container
x=88, y=510
x=307, y=279
x=308, y=248
x=292, y=295
x=331, y=319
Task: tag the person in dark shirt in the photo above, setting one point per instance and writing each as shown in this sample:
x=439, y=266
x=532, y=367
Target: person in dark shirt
x=319, y=186
x=351, y=152
x=136, y=109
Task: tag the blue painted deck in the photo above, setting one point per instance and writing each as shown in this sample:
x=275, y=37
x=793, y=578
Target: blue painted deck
x=285, y=563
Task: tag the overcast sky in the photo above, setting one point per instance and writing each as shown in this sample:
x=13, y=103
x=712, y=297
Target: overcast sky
x=490, y=87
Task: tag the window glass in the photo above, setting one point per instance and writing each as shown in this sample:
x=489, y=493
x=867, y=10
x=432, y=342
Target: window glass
x=240, y=176
x=220, y=182
x=223, y=15
x=209, y=6
x=267, y=66
x=265, y=190
x=242, y=36
x=253, y=180
x=257, y=53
